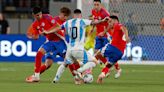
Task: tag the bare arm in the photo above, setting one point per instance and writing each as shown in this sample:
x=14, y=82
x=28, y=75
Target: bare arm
x=125, y=31
x=99, y=21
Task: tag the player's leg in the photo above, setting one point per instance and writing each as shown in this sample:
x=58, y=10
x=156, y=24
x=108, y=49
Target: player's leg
x=38, y=60
x=98, y=45
x=118, y=70
x=113, y=55
x=87, y=65
x=50, y=58
x=62, y=67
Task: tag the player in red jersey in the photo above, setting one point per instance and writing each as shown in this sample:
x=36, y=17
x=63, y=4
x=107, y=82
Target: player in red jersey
x=45, y=22
x=115, y=50
x=101, y=36
x=60, y=19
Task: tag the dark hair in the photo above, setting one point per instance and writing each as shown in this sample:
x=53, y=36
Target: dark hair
x=114, y=17
x=66, y=11
x=97, y=1
x=77, y=11
x=36, y=10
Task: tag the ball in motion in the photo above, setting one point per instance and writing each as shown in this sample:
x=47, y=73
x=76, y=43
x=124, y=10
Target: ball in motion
x=88, y=78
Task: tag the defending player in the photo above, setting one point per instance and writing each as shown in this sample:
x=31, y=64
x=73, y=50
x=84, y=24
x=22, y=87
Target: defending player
x=75, y=48
x=53, y=44
x=101, y=36
x=115, y=50
x=90, y=37
x=51, y=57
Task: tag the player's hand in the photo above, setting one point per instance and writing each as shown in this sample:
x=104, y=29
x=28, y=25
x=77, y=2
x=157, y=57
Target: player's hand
x=45, y=32
x=127, y=39
x=106, y=19
x=35, y=37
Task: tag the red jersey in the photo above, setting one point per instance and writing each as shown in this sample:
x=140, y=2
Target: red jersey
x=98, y=15
x=45, y=23
x=118, y=38
x=59, y=22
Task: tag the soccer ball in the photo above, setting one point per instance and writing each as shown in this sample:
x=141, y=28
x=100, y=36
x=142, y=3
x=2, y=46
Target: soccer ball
x=88, y=78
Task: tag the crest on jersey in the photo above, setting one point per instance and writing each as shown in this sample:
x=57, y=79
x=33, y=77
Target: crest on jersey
x=43, y=24
x=53, y=21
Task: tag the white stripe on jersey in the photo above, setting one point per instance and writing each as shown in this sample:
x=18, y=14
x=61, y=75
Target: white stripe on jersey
x=76, y=31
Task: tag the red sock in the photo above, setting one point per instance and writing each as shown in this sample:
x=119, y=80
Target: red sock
x=100, y=57
x=116, y=65
x=105, y=70
x=71, y=68
x=103, y=59
x=43, y=68
x=38, y=61
x=77, y=66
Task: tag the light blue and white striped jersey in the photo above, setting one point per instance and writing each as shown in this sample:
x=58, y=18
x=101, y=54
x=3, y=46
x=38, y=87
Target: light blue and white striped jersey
x=75, y=28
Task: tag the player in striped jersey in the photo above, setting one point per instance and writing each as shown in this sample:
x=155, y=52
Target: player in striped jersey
x=75, y=29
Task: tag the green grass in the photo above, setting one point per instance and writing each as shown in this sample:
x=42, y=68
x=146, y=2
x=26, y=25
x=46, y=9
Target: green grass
x=135, y=78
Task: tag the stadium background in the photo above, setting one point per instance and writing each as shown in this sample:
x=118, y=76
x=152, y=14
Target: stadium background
x=147, y=44
x=147, y=49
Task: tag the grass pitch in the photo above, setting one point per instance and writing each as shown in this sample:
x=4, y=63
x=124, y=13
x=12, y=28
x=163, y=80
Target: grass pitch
x=135, y=78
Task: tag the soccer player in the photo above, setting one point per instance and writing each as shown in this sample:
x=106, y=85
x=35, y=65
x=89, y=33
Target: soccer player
x=115, y=50
x=51, y=56
x=90, y=37
x=75, y=28
x=99, y=13
x=45, y=22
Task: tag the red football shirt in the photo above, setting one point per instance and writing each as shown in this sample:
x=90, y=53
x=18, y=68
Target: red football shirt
x=59, y=22
x=45, y=23
x=118, y=39
x=98, y=15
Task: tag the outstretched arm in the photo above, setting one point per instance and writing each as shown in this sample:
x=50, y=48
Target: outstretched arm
x=124, y=29
x=99, y=21
x=52, y=30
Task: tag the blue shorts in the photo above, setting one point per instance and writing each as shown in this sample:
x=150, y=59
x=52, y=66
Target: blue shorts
x=54, y=56
x=101, y=42
x=55, y=48
x=112, y=53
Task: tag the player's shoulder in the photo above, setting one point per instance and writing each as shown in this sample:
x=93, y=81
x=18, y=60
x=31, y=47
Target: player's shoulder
x=118, y=25
x=104, y=11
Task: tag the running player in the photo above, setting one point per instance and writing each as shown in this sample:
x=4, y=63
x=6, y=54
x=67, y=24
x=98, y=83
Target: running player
x=75, y=28
x=115, y=50
x=99, y=13
x=51, y=56
x=53, y=44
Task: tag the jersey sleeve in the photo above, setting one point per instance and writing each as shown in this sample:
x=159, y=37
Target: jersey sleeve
x=51, y=20
x=105, y=13
x=34, y=29
x=87, y=22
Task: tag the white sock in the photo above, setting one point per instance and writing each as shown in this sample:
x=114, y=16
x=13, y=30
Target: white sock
x=60, y=71
x=88, y=65
x=37, y=75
